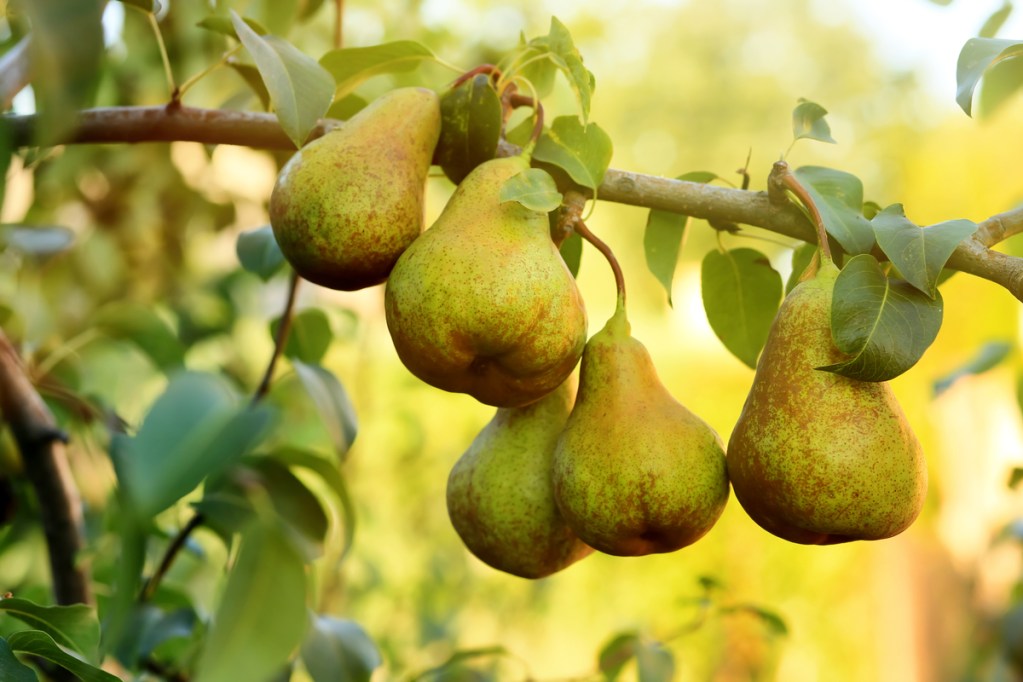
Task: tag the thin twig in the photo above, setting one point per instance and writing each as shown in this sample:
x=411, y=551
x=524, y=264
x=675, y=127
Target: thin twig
x=283, y=329
x=173, y=549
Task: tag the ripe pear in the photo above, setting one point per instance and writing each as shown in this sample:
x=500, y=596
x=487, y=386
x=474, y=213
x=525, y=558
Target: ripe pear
x=635, y=472
x=482, y=302
x=347, y=204
x=500, y=496
x=815, y=457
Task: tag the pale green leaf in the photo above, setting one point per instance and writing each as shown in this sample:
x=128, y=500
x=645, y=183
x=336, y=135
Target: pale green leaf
x=225, y=26
x=350, y=66
x=654, y=663
x=332, y=402
x=339, y=649
x=310, y=336
x=808, y=122
x=329, y=472
x=662, y=241
x=616, y=654
x=993, y=24
x=259, y=253
x=839, y=198
x=567, y=58
x=977, y=56
x=583, y=151
x=533, y=188
x=990, y=355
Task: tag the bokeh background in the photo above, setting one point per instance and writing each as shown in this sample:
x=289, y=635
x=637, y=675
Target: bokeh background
x=681, y=86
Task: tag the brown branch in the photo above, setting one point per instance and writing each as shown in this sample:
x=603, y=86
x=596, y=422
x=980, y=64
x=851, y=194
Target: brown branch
x=15, y=72
x=283, y=329
x=41, y=444
x=709, y=202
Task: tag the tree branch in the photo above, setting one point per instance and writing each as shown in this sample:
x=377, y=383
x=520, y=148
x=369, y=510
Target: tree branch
x=41, y=445
x=708, y=202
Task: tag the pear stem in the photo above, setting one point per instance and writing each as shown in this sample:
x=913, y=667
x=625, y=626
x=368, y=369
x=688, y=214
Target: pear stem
x=782, y=180
x=575, y=203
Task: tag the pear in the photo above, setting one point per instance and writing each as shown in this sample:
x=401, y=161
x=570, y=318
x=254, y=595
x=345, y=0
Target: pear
x=635, y=472
x=482, y=302
x=347, y=204
x=815, y=457
x=500, y=496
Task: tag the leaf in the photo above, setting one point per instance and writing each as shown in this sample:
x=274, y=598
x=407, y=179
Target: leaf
x=250, y=74
x=471, y=120
x=139, y=324
x=262, y=616
x=333, y=403
x=839, y=198
x=572, y=252
x=42, y=645
x=919, y=254
x=662, y=241
x=533, y=188
x=310, y=336
x=808, y=122
x=655, y=663
x=801, y=257
x=11, y=669
x=350, y=66
x=73, y=627
x=994, y=23
x=616, y=654
x=299, y=88
x=1001, y=82
x=568, y=59
x=741, y=294
x=225, y=26
x=1015, y=477
x=459, y=657
x=346, y=107
x=977, y=56
x=194, y=430
x=583, y=151
x=990, y=355
x=884, y=324
x=775, y=623
x=331, y=475
x=259, y=253
x=294, y=503
x=339, y=649
x=41, y=241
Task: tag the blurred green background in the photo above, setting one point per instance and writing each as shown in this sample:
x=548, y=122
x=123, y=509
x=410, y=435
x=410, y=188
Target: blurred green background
x=681, y=86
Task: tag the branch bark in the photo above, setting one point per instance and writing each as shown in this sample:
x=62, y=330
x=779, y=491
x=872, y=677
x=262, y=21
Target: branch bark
x=41, y=444
x=709, y=202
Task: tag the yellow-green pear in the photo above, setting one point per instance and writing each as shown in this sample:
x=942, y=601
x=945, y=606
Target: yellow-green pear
x=635, y=472
x=349, y=203
x=500, y=496
x=482, y=302
x=815, y=457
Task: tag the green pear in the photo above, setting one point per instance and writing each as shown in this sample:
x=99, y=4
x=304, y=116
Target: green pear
x=815, y=457
x=347, y=204
x=482, y=302
x=635, y=472
x=500, y=496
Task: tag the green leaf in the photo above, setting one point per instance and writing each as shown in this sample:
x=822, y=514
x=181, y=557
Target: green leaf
x=259, y=253
x=139, y=324
x=741, y=294
x=250, y=74
x=42, y=645
x=310, y=335
x=6, y=152
x=839, y=198
x=339, y=649
x=583, y=151
x=41, y=241
x=294, y=503
x=990, y=355
x=919, y=254
x=299, y=88
x=262, y=616
x=801, y=257
x=1015, y=477
x=1001, y=82
x=808, y=122
x=655, y=663
x=73, y=627
x=977, y=56
x=662, y=241
x=331, y=475
x=333, y=403
x=11, y=669
x=994, y=23
x=775, y=623
x=616, y=654
x=884, y=324
x=572, y=252
x=533, y=188
x=194, y=430
x=459, y=657
x=350, y=66
x=471, y=119
x=346, y=107
x=568, y=59
x=67, y=56
x=225, y=26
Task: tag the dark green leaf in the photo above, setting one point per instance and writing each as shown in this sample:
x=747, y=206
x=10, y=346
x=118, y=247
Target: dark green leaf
x=572, y=252
x=808, y=122
x=654, y=663
x=339, y=649
x=300, y=89
x=801, y=257
x=1001, y=82
x=471, y=119
x=333, y=403
x=329, y=472
x=839, y=198
x=259, y=253
x=40, y=241
x=194, y=430
x=42, y=645
x=262, y=616
x=533, y=188
x=775, y=623
x=310, y=335
x=977, y=56
x=352, y=65
x=11, y=669
x=990, y=355
x=225, y=26
x=741, y=294
x=919, y=254
x=994, y=23
x=616, y=654
x=1015, y=477
x=250, y=74
x=583, y=151
x=884, y=324
x=73, y=627
x=294, y=503
x=139, y=324
x=662, y=241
